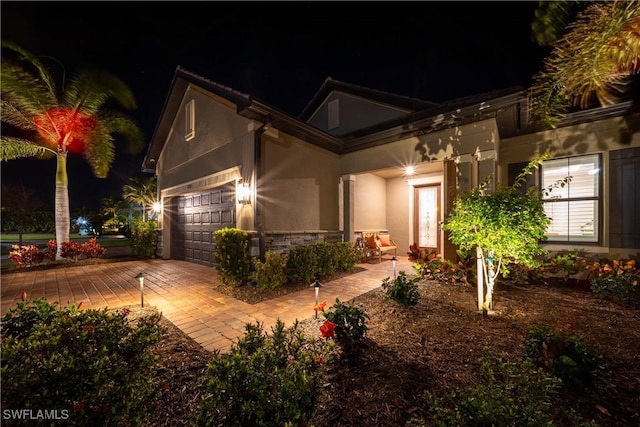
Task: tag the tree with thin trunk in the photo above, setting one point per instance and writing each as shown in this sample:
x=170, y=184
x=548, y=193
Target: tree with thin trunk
x=595, y=57
x=503, y=227
x=54, y=120
x=142, y=192
x=20, y=201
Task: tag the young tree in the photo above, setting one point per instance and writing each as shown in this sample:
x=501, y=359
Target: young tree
x=141, y=192
x=595, y=57
x=54, y=121
x=503, y=227
x=19, y=201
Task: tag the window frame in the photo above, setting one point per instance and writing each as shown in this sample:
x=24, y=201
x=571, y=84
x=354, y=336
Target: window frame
x=598, y=198
x=190, y=120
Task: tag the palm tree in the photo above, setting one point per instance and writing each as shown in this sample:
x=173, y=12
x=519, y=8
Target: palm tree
x=55, y=121
x=141, y=192
x=595, y=60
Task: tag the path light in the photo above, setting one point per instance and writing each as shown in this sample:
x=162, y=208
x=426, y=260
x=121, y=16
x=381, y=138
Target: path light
x=317, y=285
x=393, y=261
x=140, y=278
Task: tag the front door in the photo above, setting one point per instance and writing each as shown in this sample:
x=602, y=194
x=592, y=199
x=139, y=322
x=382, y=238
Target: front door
x=427, y=216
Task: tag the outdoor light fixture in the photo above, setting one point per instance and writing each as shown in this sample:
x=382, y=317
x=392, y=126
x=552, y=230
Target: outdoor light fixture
x=157, y=207
x=317, y=285
x=140, y=278
x=243, y=193
x=393, y=261
x=409, y=170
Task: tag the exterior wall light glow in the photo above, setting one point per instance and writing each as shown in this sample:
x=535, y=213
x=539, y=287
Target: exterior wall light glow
x=243, y=193
x=157, y=207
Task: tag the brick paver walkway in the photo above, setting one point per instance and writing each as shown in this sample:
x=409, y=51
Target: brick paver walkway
x=184, y=293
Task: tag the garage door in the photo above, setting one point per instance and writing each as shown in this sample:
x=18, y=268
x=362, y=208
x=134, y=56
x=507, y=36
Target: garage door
x=198, y=216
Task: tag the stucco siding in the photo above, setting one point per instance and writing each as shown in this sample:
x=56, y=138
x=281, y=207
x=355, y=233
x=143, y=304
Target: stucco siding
x=299, y=188
x=370, y=212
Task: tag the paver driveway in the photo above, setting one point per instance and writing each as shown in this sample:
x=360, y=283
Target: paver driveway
x=184, y=293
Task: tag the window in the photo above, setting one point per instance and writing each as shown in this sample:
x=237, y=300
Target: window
x=190, y=120
x=574, y=208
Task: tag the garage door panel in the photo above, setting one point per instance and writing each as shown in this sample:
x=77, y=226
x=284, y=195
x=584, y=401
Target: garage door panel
x=198, y=216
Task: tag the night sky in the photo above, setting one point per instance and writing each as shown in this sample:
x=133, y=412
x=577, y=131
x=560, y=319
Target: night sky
x=278, y=52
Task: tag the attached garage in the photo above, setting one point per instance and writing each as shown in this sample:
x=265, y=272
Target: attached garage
x=197, y=216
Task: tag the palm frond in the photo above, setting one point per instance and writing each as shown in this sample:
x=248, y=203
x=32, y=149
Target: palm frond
x=24, y=55
x=551, y=19
x=24, y=90
x=15, y=117
x=100, y=152
x=595, y=58
x=120, y=124
x=89, y=90
x=12, y=148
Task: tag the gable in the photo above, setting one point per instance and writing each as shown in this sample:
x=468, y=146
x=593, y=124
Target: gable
x=342, y=113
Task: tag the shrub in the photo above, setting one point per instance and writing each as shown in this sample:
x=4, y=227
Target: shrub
x=509, y=394
x=264, y=381
x=92, y=363
x=144, y=238
x=51, y=251
x=25, y=255
x=347, y=255
x=231, y=255
x=302, y=264
x=350, y=324
x=71, y=250
x=617, y=280
x=326, y=258
x=270, y=273
x=92, y=249
x=402, y=289
x=429, y=265
x=566, y=357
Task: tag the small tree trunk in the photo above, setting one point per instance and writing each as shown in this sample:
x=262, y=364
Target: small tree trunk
x=480, y=268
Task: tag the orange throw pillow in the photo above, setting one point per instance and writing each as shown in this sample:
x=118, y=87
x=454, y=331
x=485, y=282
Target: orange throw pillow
x=384, y=240
x=371, y=242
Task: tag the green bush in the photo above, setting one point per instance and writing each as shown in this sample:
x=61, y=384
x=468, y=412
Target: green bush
x=327, y=261
x=270, y=273
x=624, y=287
x=402, y=289
x=348, y=256
x=351, y=324
x=302, y=264
x=566, y=357
x=144, y=238
x=91, y=364
x=231, y=255
x=509, y=394
x=264, y=380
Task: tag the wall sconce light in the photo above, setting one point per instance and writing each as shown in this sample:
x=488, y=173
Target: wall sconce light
x=140, y=278
x=157, y=207
x=243, y=193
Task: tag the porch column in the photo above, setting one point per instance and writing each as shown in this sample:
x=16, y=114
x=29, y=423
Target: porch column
x=348, y=202
x=449, y=196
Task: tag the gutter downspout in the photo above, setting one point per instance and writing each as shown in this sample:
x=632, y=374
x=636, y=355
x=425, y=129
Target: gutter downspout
x=257, y=168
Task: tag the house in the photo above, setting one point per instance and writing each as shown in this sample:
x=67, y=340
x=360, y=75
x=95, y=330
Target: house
x=359, y=159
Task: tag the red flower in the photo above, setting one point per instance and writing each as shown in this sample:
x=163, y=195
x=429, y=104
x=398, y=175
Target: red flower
x=327, y=329
x=319, y=360
x=320, y=307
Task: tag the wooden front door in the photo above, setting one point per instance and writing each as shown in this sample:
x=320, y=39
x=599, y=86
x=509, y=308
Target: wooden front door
x=426, y=224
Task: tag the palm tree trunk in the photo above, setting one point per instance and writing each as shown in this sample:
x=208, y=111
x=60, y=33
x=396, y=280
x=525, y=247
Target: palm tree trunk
x=63, y=220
